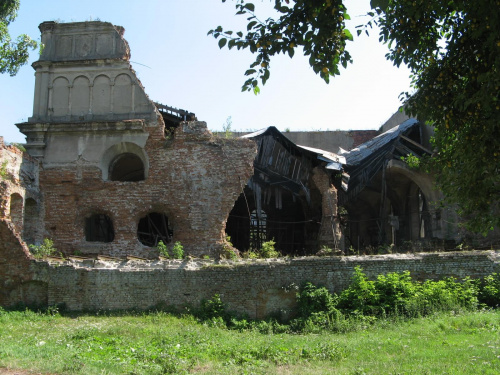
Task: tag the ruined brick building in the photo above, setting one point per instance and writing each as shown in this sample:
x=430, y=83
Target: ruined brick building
x=117, y=172
x=110, y=172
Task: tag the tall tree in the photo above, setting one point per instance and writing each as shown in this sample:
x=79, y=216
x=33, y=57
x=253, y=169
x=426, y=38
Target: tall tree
x=453, y=51
x=12, y=54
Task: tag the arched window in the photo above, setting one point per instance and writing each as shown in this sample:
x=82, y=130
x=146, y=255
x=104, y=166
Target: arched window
x=126, y=167
x=124, y=161
x=99, y=228
x=154, y=228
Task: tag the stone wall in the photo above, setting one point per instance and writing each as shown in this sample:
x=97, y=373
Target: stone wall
x=254, y=287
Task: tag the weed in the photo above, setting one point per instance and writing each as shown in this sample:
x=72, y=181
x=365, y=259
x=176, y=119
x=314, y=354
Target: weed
x=228, y=251
x=252, y=254
x=19, y=146
x=211, y=309
x=325, y=251
x=3, y=169
x=162, y=248
x=489, y=290
x=177, y=250
x=226, y=128
x=44, y=250
x=268, y=251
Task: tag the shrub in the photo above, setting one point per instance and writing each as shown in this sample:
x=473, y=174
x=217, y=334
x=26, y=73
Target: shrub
x=395, y=292
x=316, y=310
x=268, y=250
x=360, y=296
x=44, y=250
x=445, y=295
x=312, y=299
x=251, y=255
x=162, y=248
x=177, y=250
x=489, y=290
x=212, y=309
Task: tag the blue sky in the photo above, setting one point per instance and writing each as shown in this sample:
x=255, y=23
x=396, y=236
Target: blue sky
x=180, y=66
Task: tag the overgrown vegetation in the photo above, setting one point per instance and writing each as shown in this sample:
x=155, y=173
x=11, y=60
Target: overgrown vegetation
x=365, y=301
x=163, y=250
x=226, y=128
x=266, y=251
x=363, y=330
x=45, y=249
x=177, y=250
x=3, y=169
x=228, y=251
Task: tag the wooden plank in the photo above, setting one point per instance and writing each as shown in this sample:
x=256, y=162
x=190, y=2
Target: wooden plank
x=416, y=144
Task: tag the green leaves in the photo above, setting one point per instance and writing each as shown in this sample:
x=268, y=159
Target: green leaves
x=382, y=4
x=348, y=35
x=318, y=28
x=250, y=7
x=222, y=42
x=12, y=54
x=452, y=49
x=457, y=90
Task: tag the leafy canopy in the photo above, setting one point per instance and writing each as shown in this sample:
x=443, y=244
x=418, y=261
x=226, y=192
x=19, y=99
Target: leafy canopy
x=453, y=51
x=12, y=54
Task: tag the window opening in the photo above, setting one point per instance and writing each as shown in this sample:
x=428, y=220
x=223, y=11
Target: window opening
x=154, y=228
x=258, y=229
x=126, y=167
x=99, y=228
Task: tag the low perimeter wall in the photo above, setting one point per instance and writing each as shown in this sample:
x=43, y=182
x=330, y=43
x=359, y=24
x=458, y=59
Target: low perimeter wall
x=253, y=287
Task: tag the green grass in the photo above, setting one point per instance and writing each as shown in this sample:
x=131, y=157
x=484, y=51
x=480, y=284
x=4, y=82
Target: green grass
x=158, y=343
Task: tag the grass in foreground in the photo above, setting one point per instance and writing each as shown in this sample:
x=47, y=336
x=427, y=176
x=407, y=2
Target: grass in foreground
x=159, y=343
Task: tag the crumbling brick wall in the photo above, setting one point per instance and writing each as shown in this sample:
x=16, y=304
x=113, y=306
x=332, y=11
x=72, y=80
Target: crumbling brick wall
x=16, y=273
x=194, y=178
x=90, y=109
x=253, y=287
x=330, y=234
x=19, y=216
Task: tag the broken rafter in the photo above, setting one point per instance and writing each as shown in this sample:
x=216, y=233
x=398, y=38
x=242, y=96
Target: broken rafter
x=416, y=144
x=181, y=113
